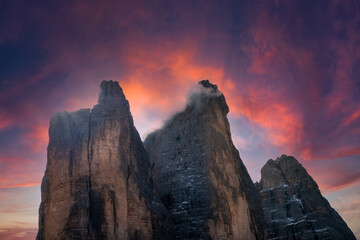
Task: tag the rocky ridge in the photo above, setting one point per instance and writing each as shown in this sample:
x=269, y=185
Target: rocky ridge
x=97, y=183
x=188, y=182
x=293, y=205
x=199, y=175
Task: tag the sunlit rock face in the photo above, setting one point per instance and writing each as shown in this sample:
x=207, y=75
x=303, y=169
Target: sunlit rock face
x=97, y=183
x=199, y=175
x=293, y=205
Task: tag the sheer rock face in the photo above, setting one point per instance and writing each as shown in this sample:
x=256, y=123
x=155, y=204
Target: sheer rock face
x=97, y=183
x=199, y=175
x=293, y=205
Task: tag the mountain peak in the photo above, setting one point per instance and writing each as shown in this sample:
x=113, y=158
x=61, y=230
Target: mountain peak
x=207, y=84
x=284, y=170
x=110, y=90
x=186, y=181
x=293, y=204
x=206, y=94
x=103, y=185
x=199, y=174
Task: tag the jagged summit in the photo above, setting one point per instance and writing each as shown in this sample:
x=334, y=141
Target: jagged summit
x=97, y=183
x=206, y=96
x=110, y=91
x=293, y=205
x=207, y=84
x=283, y=170
x=199, y=175
x=186, y=181
x=283, y=156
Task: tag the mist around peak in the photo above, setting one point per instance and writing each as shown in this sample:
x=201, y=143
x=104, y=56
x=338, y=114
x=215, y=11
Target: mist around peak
x=196, y=98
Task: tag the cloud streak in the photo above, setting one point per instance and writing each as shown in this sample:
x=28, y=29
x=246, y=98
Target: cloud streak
x=18, y=233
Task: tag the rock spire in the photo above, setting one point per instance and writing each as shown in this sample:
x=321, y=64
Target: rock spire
x=199, y=174
x=293, y=205
x=97, y=183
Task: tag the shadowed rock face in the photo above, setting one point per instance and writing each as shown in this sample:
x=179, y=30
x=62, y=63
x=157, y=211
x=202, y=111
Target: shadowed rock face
x=199, y=175
x=98, y=179
x=97, y=183
x=293, y=205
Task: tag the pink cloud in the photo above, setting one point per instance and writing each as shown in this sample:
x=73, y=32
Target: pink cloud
x=20, y=172
x=271, y=73
x=18, y=233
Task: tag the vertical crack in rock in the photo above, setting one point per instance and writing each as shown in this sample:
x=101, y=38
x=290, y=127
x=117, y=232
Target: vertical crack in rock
x=199, y=175
x=97, y=183
x=101, y=183
x=89, y=183
x=293, y=205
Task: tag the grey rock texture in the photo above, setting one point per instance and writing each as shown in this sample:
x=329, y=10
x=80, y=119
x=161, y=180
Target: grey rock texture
x=199, y=175
x=293, y=205
x=189, y=183
x=97, y=183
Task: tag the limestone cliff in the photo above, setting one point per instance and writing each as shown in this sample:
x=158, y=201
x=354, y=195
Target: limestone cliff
x=293, y=205
x=97, y=183
x=189, y=183
x=199, y=175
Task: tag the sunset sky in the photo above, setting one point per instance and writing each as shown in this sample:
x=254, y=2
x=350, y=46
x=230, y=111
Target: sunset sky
x=289, y=70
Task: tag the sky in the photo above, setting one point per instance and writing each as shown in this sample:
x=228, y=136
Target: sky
x=289, y=71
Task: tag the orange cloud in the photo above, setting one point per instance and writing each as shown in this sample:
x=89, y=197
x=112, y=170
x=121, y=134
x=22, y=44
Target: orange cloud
x=261, y=107
x=28, y=184
x=330, y=177
x=347, y=182
x=19, y=172
x=340, y=151
x=355, y=115
x=17, y=233
x=40, y=133
x=165, y=71
x=37, y=138
x=160, y=77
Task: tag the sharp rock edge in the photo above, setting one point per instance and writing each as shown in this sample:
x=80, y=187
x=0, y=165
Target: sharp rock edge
x=293, y=205
x=186, y=181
